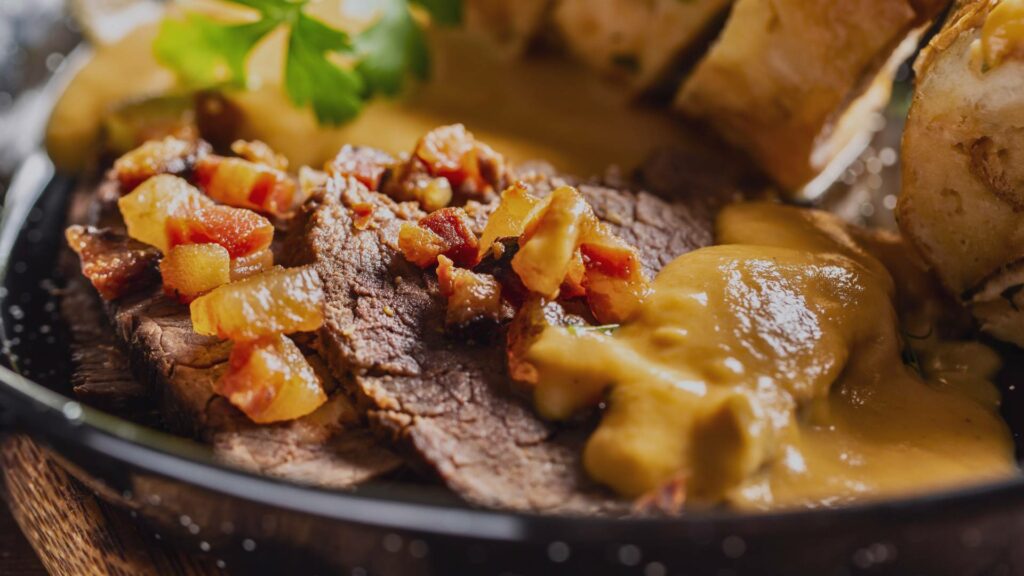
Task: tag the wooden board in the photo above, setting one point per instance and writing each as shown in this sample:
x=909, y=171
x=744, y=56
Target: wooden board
x=72, y=531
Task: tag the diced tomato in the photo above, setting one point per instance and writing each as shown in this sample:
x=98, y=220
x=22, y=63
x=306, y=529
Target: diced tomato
x=270, y=380
x=192, y=270
x=242, y=232
x=456, y=230
x=279, y=301
x=115, y=265
x=244, y=184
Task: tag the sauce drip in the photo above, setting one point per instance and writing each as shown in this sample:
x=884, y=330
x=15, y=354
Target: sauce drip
x=767, y=372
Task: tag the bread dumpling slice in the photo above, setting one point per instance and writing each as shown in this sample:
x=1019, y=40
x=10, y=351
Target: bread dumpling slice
x=962, y=202
x=512, y=25
x=794, y=82
x=637, y=41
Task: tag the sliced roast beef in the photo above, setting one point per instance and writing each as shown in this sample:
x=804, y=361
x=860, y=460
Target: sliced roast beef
x=174, y=370
x=449, y=400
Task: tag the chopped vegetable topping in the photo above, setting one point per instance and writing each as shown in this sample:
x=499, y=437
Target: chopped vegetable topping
x=456, y=232
x=242, y=232
x=549, y=243
x=244, y=184
x=245, y=266
x=452, y=153
x=279, y=301
x=148, y=208
x=366, y=165
x=168, y=156
x=192, y=270
x=271, y=381
x=471, y=297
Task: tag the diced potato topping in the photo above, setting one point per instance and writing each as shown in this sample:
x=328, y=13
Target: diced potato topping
x=260, y=153
x=242, y=232
x=195, y=269
x=244, y=184
x=168, y=156
x=271, y=381
x=366, y=165
x=419, y=245
x=147, y=209
x=471, y=297
x=279, y=301
x=516, y=208
x=549, y=244
x=453, y=153
x=114, y=264
x=245, y=266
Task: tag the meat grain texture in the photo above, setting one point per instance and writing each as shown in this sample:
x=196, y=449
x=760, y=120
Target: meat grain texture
x=450, y=400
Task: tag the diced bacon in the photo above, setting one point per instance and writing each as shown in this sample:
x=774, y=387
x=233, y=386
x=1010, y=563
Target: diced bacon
x=471, y=297
x=270, y=380
x=242, y=232
x=115, y=265
x=366, y=165
x=456, y=230
x=614, y=280
x=244, y=184
x=419, y=245
x=362, y=215
x=451, y=152
x=260, y=153
x=170, y=155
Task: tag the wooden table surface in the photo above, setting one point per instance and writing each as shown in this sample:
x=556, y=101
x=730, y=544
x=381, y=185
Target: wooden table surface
x=53, y=524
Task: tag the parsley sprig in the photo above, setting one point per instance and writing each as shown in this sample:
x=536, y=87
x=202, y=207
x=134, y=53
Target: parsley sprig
x=205, y=52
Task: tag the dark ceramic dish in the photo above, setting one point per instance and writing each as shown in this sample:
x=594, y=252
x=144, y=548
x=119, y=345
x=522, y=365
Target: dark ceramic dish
x=258, y=525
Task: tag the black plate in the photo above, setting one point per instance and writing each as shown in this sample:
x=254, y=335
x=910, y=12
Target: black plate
x=264, y=525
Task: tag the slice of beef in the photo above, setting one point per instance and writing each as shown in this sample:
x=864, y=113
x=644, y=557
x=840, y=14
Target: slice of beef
x=451, y=401
x=175, y=369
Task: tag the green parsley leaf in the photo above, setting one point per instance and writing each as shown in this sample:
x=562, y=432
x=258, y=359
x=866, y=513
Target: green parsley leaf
x=205, y=52
x=391, y=46
x=335, y=93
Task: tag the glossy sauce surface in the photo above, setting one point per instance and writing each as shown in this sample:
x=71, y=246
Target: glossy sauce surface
x=767, y=372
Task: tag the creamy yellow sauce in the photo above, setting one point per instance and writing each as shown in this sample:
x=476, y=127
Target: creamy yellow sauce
x=543, y=107
x=1002, y=35
x=767, y=372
